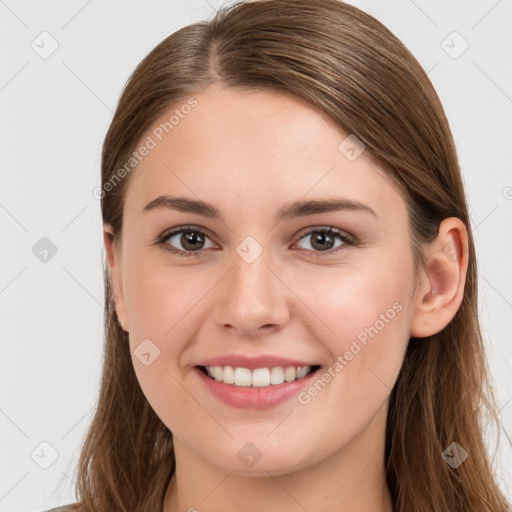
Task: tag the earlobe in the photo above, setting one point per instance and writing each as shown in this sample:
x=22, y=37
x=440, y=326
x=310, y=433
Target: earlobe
x=114, y=268
x=442, y=285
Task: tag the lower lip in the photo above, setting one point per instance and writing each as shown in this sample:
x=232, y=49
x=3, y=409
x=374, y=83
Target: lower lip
x=245, y=397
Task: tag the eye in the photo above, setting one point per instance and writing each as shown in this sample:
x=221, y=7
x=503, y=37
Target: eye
x=323, y=238
x=191, y=240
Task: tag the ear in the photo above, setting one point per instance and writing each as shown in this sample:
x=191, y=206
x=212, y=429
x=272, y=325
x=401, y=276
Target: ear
x=441, y=287
x=114, y=265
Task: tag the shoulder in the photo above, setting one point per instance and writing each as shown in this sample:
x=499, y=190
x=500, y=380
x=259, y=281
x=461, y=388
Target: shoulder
x=63, y=508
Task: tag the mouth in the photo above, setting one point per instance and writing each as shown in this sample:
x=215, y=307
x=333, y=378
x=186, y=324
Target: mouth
x=266, y=377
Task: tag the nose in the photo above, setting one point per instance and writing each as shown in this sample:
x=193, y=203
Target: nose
x=252, y=299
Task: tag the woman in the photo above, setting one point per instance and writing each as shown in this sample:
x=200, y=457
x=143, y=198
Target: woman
x=291, y=283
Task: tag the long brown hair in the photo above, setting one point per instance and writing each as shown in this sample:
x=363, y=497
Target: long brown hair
x=350, y=67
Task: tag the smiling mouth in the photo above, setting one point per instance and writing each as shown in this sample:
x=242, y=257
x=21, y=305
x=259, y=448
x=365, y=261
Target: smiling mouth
x=259, y=377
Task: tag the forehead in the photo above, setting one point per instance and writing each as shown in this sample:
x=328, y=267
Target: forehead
x=257, y=147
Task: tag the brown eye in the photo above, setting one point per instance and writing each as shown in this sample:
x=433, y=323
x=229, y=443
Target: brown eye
x=191, y=240
x=324, y=240
x=185, y=242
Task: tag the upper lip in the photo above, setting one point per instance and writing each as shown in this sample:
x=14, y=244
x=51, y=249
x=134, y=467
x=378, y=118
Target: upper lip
x=262, y=361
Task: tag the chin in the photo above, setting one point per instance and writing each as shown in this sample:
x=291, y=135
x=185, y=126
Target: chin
x=260, y=462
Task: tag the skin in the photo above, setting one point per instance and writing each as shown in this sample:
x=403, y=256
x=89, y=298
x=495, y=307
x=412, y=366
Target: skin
x=250, y=153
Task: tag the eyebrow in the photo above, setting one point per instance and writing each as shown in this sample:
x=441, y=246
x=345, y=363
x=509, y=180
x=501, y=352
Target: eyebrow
x=293, y=210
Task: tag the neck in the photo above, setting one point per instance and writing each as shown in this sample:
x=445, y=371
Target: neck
x=351, y=479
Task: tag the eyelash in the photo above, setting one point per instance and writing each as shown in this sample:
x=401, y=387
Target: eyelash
x=345, y=238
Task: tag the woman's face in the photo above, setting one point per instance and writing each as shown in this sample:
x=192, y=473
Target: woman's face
x=256, y=283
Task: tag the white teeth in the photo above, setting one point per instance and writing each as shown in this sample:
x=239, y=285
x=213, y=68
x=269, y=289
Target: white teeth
x=260, y=377
x=302, y=371
x=242, y=377
x=229, y=375
x=276, y=375
x=289, y=374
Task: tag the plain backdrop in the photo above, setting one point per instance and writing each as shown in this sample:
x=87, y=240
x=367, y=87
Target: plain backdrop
x=63, y=68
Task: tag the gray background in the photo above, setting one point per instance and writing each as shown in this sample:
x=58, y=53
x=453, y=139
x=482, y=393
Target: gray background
x=55, y=112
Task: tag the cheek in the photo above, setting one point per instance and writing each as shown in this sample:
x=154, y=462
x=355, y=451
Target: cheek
x=160, y=305
x=367, y=335
x=160, y=300
x=361, y=317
